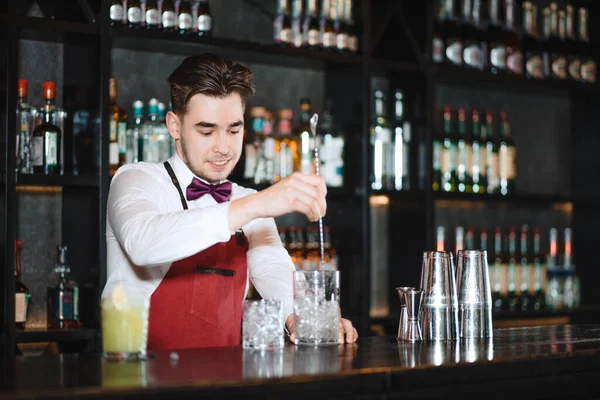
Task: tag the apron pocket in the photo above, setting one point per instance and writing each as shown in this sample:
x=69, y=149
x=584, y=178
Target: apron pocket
x=212, y=295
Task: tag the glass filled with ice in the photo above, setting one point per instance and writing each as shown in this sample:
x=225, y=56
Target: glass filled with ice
x=262, y=324
x=316, y=307
x=124, y=323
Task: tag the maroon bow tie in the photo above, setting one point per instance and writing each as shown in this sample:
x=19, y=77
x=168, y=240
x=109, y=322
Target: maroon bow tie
x=221, y=192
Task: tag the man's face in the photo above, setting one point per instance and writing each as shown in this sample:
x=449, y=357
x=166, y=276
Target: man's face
x=209, y=138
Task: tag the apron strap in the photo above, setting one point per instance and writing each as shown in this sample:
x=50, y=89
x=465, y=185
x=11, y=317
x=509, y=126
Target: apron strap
x=176, y=184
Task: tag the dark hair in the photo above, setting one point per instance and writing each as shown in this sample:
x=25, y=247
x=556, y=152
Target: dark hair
x=210, y=75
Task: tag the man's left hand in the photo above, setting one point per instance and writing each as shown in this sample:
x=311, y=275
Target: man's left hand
x=348, y=333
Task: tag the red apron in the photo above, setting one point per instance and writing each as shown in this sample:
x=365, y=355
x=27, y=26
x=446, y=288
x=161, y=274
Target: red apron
x=199, y=301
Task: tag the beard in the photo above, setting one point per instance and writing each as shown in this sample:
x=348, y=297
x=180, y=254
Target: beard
x=214, y=177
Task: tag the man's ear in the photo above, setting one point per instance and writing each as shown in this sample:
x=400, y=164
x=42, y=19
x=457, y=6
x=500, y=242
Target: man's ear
x=173, y=124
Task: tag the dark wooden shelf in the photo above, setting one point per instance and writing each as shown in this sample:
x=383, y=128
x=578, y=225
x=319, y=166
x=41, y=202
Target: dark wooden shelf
x=451, y=75
x=46, y=24
x=399, y=66
x=57, y=180
x=55, y=335
x=161, y=41
x=516, y=199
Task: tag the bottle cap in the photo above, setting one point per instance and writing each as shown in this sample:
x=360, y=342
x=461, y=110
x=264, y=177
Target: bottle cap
x=22, y=88
x=48, y=90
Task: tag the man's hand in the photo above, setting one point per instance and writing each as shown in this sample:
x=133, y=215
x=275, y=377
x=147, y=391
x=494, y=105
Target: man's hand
x=304, y=193
x=348, y=333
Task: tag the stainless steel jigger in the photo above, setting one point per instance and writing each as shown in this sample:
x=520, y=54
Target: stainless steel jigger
x=313, y=127
x=412, y=299
x=403, y=324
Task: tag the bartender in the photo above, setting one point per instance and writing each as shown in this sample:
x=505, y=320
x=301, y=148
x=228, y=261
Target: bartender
x=184, y=235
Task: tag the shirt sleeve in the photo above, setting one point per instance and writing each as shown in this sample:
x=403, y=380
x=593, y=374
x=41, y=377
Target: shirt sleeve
x=150, y=237
x=270, y=266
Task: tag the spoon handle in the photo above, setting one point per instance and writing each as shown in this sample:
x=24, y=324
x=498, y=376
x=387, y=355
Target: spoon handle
x=321, y=245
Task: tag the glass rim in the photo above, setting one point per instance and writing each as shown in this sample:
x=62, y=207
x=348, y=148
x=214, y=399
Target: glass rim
x=437, y=254
x=472, y=252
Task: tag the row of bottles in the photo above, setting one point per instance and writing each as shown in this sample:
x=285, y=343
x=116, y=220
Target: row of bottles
x=390, y=144
x=473, y=159
x=304, y=24
x=39, y=133
x=523, y=275
x=62, y=296
x=303, y=246
x=143, y=138
x=504, y=37
x=183, y=16
x=274, y=150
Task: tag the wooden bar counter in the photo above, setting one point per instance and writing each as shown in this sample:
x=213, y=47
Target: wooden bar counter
x=551, y=361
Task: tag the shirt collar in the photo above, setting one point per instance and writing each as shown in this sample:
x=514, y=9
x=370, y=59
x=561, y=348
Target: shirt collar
x=184, y=174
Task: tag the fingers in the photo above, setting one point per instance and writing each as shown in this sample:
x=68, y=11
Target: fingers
x=348, y=333
x=308, y=198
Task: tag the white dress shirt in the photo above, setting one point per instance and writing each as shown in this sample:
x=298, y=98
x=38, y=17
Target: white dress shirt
x=147, y=230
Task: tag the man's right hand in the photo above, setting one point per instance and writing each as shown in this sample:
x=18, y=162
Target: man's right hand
x=304, y=193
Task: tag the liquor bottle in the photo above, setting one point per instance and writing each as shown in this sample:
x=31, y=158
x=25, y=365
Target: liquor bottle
x=511, y=271
x=164, y=138
x=526, y=300
x=287, y=149
x=452, y=36
x=135, y=149
x=470, y=239
x=507, y=157
x=402, y=136
x=491, y=155
x=574, y=57
x=440, y=241
x=380, y=143
x=46, y=138
x=311, y=30
x=496, y=39
x=459, y=240
x=514, y=46
x=340, y=27
x=63, y=296
x=185, y=19
x=534, y=64
x=117, y=147
x=152, y=17
x=24, y=126
x=303, y=133
x=546, y=43
x=478, y=16
x=331, y=148
x=151, y=143
x=588, y=64
x=483, y=243
x=205, y=20
x=117, y=13
x=464, y=155
x=331, y=258
x=472, y=34
x=22, y=294
x=265, y=170
x=168, y=18
x=498, y=271
x=539, y=272
x=296, y=247
x=312, y=251
x=352, y=34
x=438, y=144
x=134, y=14
x=282, y=25
x=567, y=262
x=437, y=45
x=558, y=59
x=296, y=17
x=478, y=163
x=326, y=25
x=448, y=167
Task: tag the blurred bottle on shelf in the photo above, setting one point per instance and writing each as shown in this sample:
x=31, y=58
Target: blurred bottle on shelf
x=282, y=25
x=46, y=140
x=204, y=21
x=22, y=293
x=63, y=295
x=24, y=130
